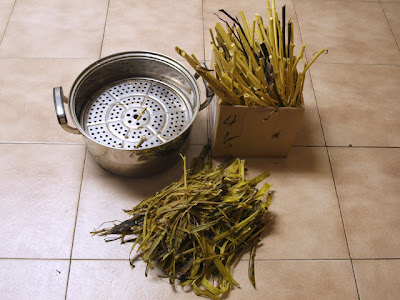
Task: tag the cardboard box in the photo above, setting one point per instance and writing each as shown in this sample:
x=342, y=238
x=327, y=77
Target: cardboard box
x=242, y=131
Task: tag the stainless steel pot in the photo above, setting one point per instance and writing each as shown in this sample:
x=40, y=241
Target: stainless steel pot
x=134, y=110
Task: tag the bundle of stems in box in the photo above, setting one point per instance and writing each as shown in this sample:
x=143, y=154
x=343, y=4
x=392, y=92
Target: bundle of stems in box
x=255, y=65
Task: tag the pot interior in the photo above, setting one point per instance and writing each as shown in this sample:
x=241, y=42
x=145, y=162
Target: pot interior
x=134, y=100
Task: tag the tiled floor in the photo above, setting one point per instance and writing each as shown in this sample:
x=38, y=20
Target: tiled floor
x=336, y=227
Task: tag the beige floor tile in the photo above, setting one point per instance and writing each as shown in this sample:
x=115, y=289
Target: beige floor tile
x=105, y=279
x=358, y=103
x=378, y=279
x=274, y=279
x=296, y=280
x=26, y=98
x=307, y=221
x=5, y=12
x=310, y=131
x=153, y=26
x=33, y=279
x=103, y=198
x=353, y=32
x=368, y=189
x=392, y=12
x=39, y=192
x=250, y=8
x=344, y=0
x=56, y=29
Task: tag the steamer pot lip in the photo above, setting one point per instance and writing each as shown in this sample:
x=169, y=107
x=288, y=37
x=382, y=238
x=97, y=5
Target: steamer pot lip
x=143, y=54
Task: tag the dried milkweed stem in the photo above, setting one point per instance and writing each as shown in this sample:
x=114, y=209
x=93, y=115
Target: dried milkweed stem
x=196, y=229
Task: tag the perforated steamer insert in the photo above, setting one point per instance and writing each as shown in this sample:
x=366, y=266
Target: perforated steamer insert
x=136, y=113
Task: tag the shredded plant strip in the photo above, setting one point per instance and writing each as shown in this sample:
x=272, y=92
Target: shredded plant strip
x=254, y=63
x=197, y=229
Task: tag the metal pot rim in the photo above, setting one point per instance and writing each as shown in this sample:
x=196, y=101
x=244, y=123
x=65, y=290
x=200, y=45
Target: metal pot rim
x=121, y=56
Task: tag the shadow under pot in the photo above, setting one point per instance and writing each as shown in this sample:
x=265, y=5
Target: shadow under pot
x=134, y=111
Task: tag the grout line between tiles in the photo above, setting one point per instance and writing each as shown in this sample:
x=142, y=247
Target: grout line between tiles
x=366, y=147
x=344, y=146
x=341, y=216
x=200, y=145
x=8, y=21
x=66, y=58
x=41, y=143
x=298, y=259
x=330, y=164
x=77, y=58
x=104, y=30
x=47, y=58
x=308, y=146
x=32, y=258
x=298, y=24
x=204, y=35
x=76, y=219
x=381, y=258
x=243, y=259
x=388, y=258
x=354, y=1
x=312, y=84
x=349, y=63
x=391, y=29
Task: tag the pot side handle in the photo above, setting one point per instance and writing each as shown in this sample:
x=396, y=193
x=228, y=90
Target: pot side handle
x=209, y=91
x=59, y=98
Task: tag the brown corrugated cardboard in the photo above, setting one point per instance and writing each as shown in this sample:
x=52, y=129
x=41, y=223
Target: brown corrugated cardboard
x=253, y=131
